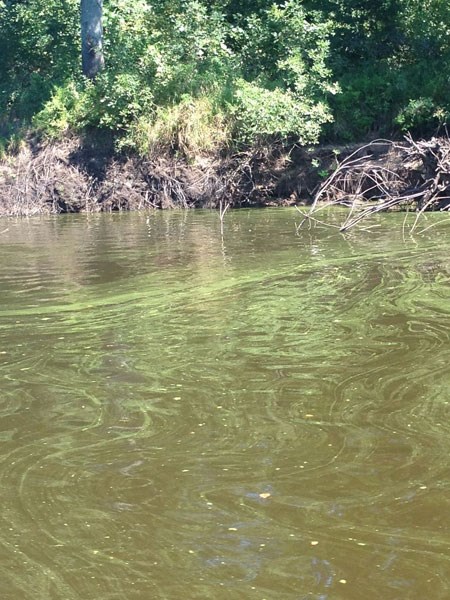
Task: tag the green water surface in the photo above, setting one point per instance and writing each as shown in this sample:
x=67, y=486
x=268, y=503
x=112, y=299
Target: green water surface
x=262, y=415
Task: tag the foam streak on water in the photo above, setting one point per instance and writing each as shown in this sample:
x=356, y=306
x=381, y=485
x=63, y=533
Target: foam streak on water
x=258, y=415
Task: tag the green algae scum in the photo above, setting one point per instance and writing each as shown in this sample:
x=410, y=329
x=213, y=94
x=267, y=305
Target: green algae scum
x=247, y=416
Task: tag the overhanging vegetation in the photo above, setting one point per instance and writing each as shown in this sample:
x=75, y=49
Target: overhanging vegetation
x=190, y=77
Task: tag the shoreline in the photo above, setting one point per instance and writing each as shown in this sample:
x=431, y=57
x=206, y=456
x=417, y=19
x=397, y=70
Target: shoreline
x=79, y=176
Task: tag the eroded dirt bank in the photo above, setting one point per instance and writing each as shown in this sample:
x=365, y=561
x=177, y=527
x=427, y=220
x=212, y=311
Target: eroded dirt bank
x=77, y=176
x=88, y=176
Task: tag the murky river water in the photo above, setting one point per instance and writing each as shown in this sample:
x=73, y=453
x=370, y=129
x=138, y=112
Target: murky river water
x=263, y=416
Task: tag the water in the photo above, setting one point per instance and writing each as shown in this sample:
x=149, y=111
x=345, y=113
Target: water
x=258, y=416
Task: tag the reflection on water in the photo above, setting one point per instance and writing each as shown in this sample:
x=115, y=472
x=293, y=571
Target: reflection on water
x=262, y=415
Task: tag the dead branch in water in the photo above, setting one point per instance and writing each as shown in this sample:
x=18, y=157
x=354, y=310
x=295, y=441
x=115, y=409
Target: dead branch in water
x=384, y=175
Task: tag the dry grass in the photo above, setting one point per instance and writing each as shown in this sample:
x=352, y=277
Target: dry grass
x=191, y=129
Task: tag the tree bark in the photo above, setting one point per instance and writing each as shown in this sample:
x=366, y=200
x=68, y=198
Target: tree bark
x=92, y=37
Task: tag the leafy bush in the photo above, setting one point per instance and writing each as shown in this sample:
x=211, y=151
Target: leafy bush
x=39, y=46
x=57, y=116
x=260, y=113
x=421, y=115
x=285, y=81
x=111, y=103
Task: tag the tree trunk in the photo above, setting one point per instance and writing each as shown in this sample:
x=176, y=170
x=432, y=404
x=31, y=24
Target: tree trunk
x=91, y=37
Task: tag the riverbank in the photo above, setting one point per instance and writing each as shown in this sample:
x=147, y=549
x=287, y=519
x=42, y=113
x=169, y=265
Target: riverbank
x=76, y=175
x=87, y=175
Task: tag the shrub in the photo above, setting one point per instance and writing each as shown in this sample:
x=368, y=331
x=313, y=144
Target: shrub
x=421, y=115
x=260, y=113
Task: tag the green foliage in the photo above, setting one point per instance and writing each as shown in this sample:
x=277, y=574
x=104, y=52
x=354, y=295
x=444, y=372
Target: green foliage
x=262, y=113
x=56, y=117
x=421, y=114
x=38, y=49
x=172, y=67
x=386, y=56
x=191, y=76
x=285, y=79
x=365, y=103
x=112, y=103
x=191, y=128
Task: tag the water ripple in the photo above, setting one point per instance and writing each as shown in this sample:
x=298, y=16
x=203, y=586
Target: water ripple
x=254, y=416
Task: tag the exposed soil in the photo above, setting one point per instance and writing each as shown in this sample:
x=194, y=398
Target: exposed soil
x=88, y=176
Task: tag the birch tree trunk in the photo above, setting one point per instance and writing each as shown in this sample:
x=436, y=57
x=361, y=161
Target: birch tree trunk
x=91, y=37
